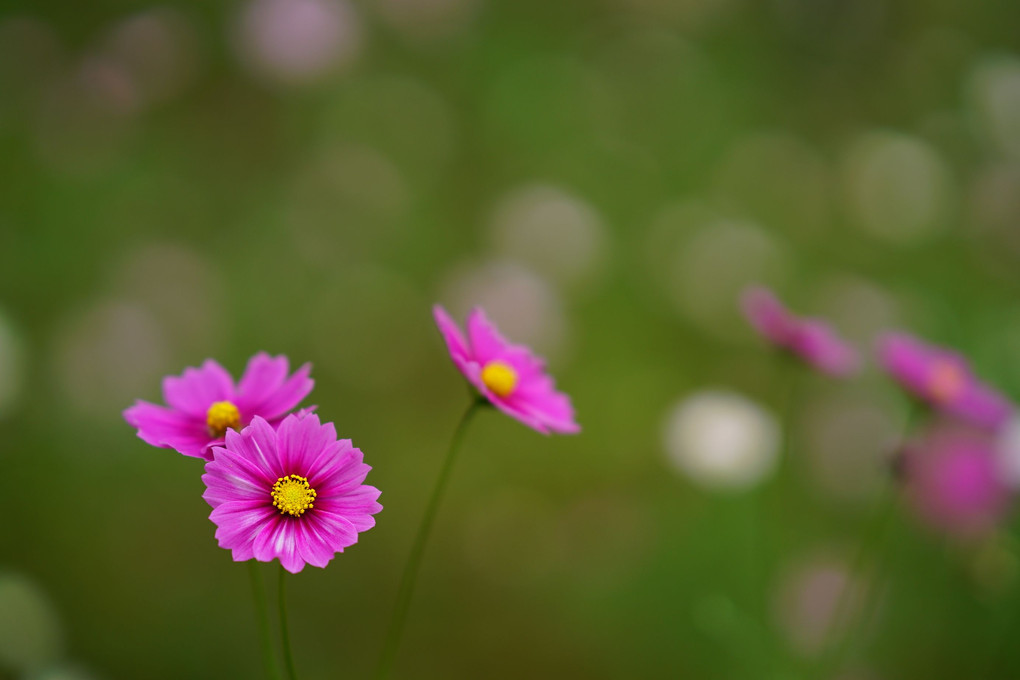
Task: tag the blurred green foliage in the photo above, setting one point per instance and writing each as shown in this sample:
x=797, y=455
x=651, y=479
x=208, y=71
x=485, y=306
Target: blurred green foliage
x=323, y=219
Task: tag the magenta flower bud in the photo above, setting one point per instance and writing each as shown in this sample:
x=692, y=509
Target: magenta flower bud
x=942, y=379
x=810, y=340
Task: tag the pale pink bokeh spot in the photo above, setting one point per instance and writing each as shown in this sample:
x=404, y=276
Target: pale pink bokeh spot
x=299, y=41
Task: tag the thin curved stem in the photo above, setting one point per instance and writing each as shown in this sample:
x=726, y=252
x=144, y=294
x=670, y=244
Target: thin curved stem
x=410, y=576
x=262, y=614
x=288, y=657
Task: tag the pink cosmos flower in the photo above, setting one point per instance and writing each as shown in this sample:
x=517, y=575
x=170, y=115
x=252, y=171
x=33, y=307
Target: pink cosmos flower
x=953, y=483
x=943, y=379
x=204, y=403
x=812, y=340
x=509, y=376
x=295, y=493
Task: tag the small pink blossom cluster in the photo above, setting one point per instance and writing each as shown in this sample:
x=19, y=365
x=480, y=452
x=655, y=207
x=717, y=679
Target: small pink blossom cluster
x=281, y=484
x=949, y=466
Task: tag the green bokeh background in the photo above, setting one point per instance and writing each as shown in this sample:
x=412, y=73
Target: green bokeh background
x=215, y=223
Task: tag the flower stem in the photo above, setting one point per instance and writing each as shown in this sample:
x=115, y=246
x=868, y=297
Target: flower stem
x=288, y=657
x=262, y=614
x=773, y=499
x=871, y=546
x=410, y=575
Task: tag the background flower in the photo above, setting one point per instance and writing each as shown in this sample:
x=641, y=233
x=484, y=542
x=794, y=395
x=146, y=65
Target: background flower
x=811, y=340
x=954, y=481
x=942, y=379
x=721, y=439
x=204, y=403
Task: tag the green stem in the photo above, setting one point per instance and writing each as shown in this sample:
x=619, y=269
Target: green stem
x=410, y=576
x=262, y=614
x=869, y=550
x=770, y=499
x=288, y=657
x=779, y=504
x=782, y=502
x=998, y=643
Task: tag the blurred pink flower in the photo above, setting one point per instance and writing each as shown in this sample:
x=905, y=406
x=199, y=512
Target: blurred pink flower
x=509, y=376
x=204, y=403
x=299, y=41
x=942, y=379
x=295, y=493
x=953, y=482
x=811, y=340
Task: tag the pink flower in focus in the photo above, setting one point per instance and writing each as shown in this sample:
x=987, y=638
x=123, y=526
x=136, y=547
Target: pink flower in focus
x=812, y=340
x=295, y=493
x=953, y=481
x=942, y=379
x=509, y=376
x=204, y=403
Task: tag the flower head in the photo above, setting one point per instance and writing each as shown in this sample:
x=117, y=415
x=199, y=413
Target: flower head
x=942, y=379
x=295, y=493
x=508, y=375
x=953, y=481
x=813, y=341
x=205, y=403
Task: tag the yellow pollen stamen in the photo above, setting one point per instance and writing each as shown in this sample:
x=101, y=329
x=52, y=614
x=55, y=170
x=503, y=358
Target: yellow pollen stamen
x=500, y=378
x=222, y=416
x=292, y=495
x=945, y=381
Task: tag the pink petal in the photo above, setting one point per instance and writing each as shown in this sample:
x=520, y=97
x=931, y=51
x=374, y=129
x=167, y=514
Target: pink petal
x=451, y=334
x=767, y=314
x=486, y=342
x=524, y=362
x=341, y=475
x=197, y=388
x=983, y=406
x=238, y=523
x=164, y=427
x=357, y=507
x=272, y=402
x=340, y=532
x=320, y=538
x=819, y=345
x=516, y=411
x=262, y=376
x=301, y=441
x=539, y=399
x=278, y=539
x=258, y=444
x=232, y=476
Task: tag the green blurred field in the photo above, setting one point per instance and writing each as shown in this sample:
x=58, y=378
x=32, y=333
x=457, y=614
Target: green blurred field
x=166, y=197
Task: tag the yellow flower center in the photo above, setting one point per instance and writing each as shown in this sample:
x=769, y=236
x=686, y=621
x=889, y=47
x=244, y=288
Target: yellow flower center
x=222, y=416
x=945, y=381
x=292, y=495
x=500, y=378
